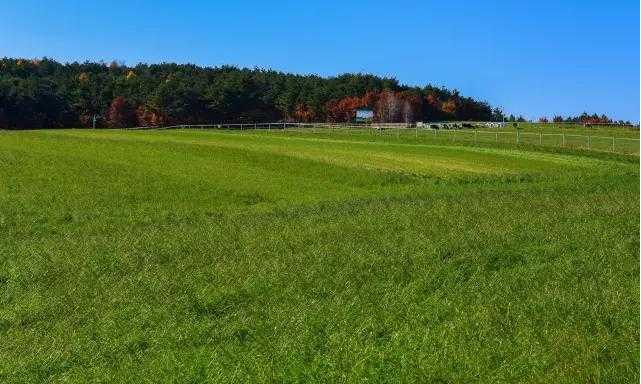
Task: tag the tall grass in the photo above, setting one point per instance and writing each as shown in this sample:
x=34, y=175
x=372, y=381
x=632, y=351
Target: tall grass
x=191, y=256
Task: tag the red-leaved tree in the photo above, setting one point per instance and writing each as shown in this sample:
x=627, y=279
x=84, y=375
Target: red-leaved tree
x=121, y=113
x=303, y=113
x=343, y=110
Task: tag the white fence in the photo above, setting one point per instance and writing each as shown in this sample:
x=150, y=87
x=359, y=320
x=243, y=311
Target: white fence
x=476, y=132
x=567, y=140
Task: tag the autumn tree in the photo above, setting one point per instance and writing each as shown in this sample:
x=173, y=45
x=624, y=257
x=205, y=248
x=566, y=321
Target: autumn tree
x=449, y=106
x=303, y=113
x=121, y=113
x=343, y=110
x=148, y=117
x=388, y=107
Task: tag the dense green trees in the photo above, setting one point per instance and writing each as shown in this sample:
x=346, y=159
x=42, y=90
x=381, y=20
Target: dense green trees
x=45, y=93
x=586, y=118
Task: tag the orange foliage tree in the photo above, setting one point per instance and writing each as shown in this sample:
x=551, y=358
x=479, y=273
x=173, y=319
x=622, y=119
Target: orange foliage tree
x=303, y=113
x=147, y=117
x=449, y=106
x=388, y=106
x=343, y=110
x=121, y=113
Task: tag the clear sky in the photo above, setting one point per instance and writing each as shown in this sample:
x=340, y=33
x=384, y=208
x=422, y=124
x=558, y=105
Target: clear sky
x=537, y=58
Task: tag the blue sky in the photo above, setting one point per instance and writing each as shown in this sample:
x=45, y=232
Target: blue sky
x=535, y=58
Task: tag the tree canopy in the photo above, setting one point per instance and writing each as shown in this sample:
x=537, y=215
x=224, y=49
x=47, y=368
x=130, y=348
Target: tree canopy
x=48, y=94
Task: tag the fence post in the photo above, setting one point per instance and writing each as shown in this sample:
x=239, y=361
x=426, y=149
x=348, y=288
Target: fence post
x=589, y=142
x=497, y=136
x=563, y=139
x=475, y=132
x=517, y=137
x=540, y=138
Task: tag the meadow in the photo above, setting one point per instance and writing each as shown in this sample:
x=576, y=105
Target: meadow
x=575, y=129
x=299, y=256
x=616, y=139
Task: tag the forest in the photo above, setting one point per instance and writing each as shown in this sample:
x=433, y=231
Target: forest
x=47, y=94
x=44, y=93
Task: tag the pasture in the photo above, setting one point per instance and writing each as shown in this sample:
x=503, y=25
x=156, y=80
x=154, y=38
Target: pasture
x=615, y=139
x=299, y=256
x=574, y=129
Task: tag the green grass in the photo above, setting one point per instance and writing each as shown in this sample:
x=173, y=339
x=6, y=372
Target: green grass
x=191, y=256
x=576, y=129
x=602, y=139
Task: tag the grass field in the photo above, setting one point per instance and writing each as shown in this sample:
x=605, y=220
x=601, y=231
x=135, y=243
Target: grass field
x=193, y=256
x=616, y=139
x=574, y=129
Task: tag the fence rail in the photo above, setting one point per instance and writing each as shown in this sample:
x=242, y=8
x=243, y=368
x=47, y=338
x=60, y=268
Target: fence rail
x=480, y=132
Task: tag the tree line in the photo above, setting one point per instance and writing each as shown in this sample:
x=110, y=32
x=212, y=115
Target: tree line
x=44, y=93
x=584, y=118
x=47, y=94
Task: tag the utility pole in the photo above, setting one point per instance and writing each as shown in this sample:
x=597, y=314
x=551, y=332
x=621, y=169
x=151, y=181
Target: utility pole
x=94, y=119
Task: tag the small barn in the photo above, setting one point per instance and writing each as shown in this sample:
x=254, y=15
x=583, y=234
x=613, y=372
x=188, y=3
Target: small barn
x=364, y=115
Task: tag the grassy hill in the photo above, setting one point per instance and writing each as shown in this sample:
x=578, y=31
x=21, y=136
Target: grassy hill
x=279, y=257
